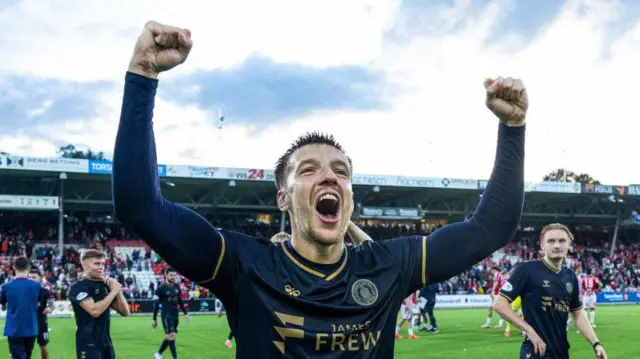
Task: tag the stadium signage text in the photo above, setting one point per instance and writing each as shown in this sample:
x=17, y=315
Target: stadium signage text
x=105, y=167
x=259, y=174
x=390, y=212
x=28, y=202
x=617, y=297
x=370, y=180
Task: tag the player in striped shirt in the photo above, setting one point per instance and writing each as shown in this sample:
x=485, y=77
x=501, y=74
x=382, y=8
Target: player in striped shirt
x=589, y=285
x=498, y=280
x=410, y=312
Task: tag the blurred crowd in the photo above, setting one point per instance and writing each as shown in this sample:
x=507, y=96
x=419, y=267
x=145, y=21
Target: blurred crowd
x=37, y=238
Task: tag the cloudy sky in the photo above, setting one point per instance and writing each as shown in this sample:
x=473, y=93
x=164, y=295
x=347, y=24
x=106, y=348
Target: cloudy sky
x=399, y=83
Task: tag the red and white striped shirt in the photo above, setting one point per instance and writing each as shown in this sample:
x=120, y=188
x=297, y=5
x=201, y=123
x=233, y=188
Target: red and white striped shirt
x=498, y=281
x=411, y=300
x=589, y=285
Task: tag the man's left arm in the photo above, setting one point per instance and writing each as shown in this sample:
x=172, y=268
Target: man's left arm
x=183, y=308
x=120, y=304
x=582, y=323
x=457, y=247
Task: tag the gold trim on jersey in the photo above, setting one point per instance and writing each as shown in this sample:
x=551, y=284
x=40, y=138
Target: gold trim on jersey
x=424, y=261
x=556, y=271
x=506, y=297
x=223, y=248
x=313, y=271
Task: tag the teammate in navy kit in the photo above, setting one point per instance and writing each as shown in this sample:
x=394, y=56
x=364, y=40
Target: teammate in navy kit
x=310, y=296
x=20, y=298
x=429, y=294
x=169, y=300
x=44, y=308
x=91, y=299
x=549, y=292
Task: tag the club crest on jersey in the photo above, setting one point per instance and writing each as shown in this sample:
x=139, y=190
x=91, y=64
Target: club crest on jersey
x=364, y=292
x=569, y=287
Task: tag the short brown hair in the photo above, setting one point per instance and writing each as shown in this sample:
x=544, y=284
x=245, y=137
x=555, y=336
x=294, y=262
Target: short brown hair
x=92, y=254
x=553, y=226
x=311, y=138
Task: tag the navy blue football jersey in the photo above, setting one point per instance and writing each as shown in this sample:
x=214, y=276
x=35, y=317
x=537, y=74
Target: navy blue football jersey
x=90, y=330
x=548, y=296
x=168, y=299
x=306, y=310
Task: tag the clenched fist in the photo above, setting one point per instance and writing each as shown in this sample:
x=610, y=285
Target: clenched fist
x=160, y=48
x=113, y=284
x=507, y=99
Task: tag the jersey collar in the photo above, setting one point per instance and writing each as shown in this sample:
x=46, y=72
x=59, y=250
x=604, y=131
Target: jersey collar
x=291, y=253
x=549, y=266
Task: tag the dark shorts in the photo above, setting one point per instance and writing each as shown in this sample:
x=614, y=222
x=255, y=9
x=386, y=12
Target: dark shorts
x=170, y=324
x=43, y=335
x=21, y=347
x=95, y=352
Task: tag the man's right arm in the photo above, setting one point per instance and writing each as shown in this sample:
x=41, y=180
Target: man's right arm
x=80, y=294
x=184, y=239
x=503, y=307
x=510, y=290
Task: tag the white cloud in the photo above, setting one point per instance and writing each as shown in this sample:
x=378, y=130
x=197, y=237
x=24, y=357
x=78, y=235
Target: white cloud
x=582, y=102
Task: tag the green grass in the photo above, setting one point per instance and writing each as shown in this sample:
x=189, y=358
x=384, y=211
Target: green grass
x=460, y=337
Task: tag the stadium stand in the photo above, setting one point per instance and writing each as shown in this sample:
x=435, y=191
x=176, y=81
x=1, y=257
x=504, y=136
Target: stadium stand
x=46, y=202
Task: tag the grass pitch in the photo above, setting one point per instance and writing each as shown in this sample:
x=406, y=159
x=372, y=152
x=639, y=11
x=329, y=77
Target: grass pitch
x=460, y=337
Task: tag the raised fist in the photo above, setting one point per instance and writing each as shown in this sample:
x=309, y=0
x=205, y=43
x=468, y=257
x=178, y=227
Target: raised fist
x=113, y=284
x=507, y=99
x=160, y=48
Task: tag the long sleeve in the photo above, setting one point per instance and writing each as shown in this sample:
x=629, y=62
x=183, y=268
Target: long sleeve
x=457, y=247
x=181, y=305
x=188, y=242
x=156, y=308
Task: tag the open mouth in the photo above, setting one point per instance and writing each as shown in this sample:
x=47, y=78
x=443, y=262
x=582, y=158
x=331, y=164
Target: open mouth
x=328, y=207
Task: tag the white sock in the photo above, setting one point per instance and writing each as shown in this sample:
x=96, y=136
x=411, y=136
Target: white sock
x=592, y=316
x=411, y=331
x=397, y=329
x=488, y=321
x=501, y=322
